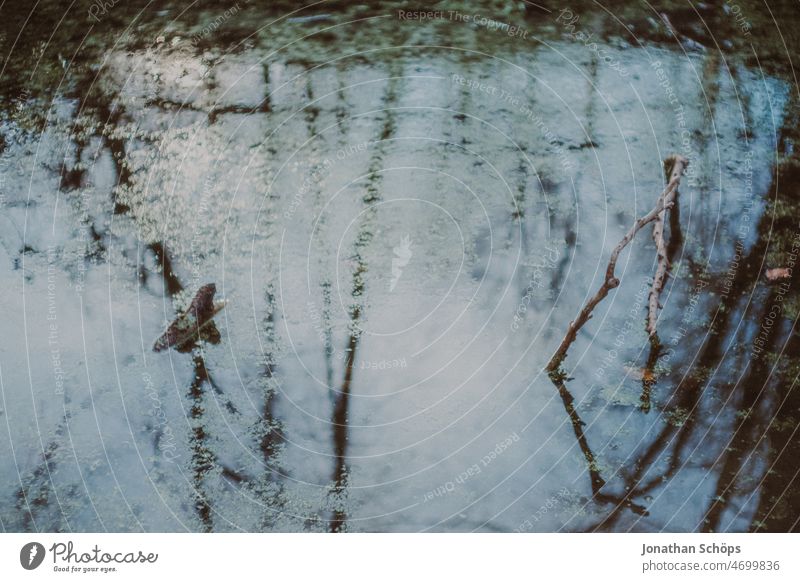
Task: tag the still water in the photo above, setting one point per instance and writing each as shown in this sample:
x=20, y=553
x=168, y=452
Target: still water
x=403, y=215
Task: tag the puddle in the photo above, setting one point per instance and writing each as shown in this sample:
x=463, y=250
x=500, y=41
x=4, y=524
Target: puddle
x=404, y=217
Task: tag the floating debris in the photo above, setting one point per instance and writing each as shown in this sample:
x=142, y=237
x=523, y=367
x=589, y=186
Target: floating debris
x=189, y=325
x=778, y=274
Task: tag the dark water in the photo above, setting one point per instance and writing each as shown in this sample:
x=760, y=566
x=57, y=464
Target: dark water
x=404, y=217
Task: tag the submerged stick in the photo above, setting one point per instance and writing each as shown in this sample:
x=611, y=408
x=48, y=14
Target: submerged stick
x=677, y=164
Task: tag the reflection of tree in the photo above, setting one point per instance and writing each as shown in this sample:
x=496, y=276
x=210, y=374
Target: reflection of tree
x=762, y=394
x=38, y=499
x=342, y=405
x=641, y=475
x=746, y=440
x=365, y=235
x=595, y=476
x=268, y=428
x=779, y=491
x=36, y=490
x=202, y=460
x=739, y=463
x=765, y=426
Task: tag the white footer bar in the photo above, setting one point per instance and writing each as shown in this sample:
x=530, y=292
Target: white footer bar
x=410, y=557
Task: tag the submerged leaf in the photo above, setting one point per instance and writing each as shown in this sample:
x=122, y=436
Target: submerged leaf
x=188, y=325
x=778, y=273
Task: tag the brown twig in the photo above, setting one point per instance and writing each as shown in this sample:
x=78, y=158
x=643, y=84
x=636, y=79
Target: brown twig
x=676, y=164
x=673, y=166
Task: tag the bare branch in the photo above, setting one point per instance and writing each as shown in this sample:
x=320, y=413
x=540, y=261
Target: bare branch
x=674, y=167
x=676, y=164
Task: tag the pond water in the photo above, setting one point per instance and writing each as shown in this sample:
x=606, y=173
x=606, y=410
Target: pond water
x=404, y=217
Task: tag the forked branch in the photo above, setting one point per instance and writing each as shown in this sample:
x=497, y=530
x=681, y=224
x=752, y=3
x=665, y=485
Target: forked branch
x=676, y=165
